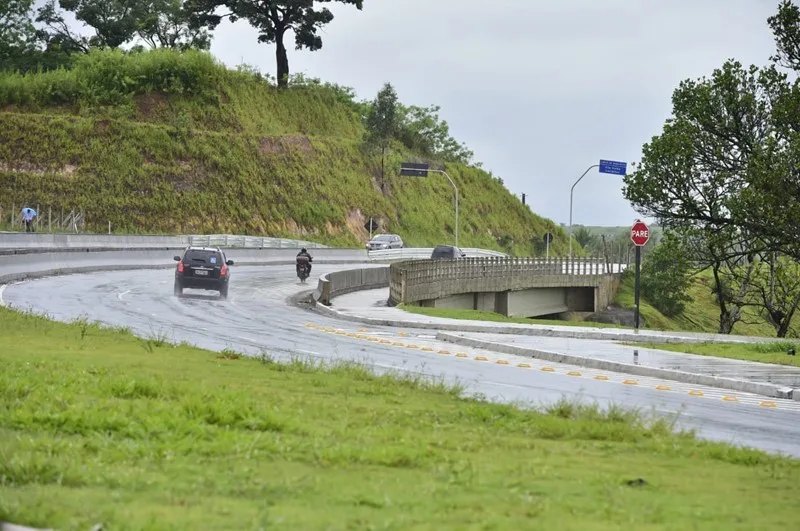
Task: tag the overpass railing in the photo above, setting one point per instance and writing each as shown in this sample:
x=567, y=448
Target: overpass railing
x=416, y=280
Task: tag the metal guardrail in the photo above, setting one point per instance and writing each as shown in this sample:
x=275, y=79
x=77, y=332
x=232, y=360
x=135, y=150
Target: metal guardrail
x=44, y=240
x=251, y=242
x=423, y=253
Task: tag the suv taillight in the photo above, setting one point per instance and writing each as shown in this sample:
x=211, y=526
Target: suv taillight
x=223, y=271
x=180, y=266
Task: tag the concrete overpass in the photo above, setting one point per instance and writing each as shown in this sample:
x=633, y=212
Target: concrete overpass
x=514, y=287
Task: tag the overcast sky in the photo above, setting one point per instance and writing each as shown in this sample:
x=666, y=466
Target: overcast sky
x=539, y=89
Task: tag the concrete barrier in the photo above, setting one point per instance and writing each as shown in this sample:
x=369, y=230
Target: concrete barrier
x=26, y=265
x=332, y=285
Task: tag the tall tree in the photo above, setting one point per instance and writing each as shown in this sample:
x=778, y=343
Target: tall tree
x=382, y=123
x=17, y=33
x=168, y=24
x=114, y=22
x=692, y=176
x=273, y=19
x=776, y=291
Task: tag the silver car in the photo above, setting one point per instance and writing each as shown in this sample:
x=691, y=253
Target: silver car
x=385, y=241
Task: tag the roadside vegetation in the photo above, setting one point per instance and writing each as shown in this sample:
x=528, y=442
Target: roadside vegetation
x=202, y=148
x=102, y=427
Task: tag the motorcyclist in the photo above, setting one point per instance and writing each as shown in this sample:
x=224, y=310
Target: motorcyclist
x=305, y=253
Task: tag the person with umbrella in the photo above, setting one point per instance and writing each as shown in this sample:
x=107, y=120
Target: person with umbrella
x=27, y=216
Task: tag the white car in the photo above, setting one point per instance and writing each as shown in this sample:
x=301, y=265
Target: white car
x=385, y=241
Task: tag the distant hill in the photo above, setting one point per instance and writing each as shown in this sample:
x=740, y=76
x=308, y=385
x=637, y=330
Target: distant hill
x=169, y=142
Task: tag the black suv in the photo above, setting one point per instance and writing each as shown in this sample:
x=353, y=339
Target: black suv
x=203, y=268
x=445, y=252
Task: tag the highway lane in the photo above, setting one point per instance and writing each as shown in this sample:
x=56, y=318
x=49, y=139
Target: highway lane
x=257, y=319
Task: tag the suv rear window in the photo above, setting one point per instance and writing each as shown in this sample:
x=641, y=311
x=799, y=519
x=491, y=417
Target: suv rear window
x=197, y=256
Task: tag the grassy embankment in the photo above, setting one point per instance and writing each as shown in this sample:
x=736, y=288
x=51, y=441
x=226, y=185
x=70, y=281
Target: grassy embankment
x=162, y=142
x=98, y=426
x=701, y=315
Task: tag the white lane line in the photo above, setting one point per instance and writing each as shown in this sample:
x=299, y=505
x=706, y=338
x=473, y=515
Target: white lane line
x=123, y=294
x=2, y=289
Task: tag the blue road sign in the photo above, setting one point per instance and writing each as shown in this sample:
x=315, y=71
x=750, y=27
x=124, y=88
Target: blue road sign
x=613, y=167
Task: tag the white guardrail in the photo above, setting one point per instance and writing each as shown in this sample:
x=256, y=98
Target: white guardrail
x=42, y=240
x=251, y=242
x=423, y=253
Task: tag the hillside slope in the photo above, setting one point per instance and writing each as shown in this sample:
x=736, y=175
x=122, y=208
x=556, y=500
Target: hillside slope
x=162, y=142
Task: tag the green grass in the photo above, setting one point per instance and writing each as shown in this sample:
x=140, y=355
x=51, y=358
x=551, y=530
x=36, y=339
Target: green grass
x=201, y=148
x=479, y=315
x=701, y=313
x=101, y=427
x=774, y=352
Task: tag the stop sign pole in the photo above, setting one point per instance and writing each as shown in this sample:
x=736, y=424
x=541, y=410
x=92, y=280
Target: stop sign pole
x=640, y=235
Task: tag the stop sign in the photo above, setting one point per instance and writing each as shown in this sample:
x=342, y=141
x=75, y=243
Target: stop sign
x=640, y=233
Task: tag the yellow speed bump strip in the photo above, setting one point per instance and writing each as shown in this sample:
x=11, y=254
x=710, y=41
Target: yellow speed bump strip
x=502, y=362
x=768, y=403
x=630, y=382
x=696, y=393
x=548, y=369
x=573, y=373
x=481, y=358
x=412, y=346
x=427, y=349
x=601, y=377
x=386, y=342
x=730, y=398
x=398, y=344
x=524, y=365
x=663, y=388
x=462, y=355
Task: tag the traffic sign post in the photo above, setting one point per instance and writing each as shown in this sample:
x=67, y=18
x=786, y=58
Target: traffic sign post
x=613, y=167
x=640, y=235
x=548, y=239
x=416, y=169
x=371, y=225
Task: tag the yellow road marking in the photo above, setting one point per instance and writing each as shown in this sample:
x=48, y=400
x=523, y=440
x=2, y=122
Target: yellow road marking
x=768, y=403
x=502, y=362
x=574, y=373
x=601, y=377
x=524, y=365
x=730, y=398
x=548, y=369
x=630, y=382
x=481, y=358
x=696, y=393
x=663, y=388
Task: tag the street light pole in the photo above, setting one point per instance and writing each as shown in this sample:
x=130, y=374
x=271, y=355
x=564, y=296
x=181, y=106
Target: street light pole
x=570, y=205
x=455, y=189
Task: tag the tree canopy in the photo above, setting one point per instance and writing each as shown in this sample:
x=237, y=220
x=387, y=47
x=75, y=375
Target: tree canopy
x=724, y=175
x=273, y=19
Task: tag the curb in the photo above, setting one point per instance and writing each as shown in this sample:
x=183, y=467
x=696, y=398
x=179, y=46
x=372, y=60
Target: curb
x=764, y=389
x=631, y=337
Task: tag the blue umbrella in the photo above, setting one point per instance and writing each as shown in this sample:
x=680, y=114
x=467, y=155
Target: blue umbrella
x=28, y=212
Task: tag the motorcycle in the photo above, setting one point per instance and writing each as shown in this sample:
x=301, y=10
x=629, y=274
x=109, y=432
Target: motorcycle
x=302, y=268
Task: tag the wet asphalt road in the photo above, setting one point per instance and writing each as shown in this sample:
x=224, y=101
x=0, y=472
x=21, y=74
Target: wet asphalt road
x=257, y=318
